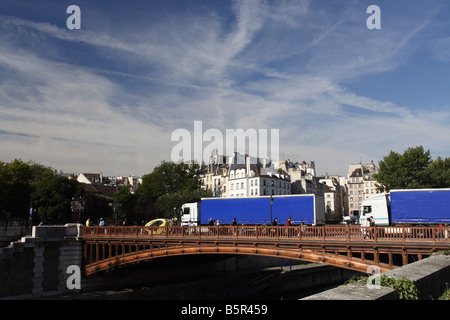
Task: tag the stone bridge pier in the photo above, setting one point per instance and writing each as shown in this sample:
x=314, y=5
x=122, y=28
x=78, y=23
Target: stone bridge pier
x=36, y=266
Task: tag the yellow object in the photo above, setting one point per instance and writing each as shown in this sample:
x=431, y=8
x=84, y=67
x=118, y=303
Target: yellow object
x=157, y=223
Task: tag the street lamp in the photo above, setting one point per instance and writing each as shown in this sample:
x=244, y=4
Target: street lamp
x=271, y=203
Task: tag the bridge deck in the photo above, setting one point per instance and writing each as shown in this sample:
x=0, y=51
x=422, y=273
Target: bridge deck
x=402, y=234
x=351, y=247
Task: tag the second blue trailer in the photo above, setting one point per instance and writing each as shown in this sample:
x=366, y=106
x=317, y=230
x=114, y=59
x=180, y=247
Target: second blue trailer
x=307, y=208
x=410, y=206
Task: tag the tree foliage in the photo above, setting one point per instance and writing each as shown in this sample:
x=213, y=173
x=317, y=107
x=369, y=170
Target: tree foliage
x=25, y=184
x=52, y=197
x=414, y=169
x=170, y=177
x=17, y=181
x=172, y=184
x=160, y=195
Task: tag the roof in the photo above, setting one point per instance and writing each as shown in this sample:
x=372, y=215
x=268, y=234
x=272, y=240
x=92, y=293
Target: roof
x=100, y=189
x=356, y=173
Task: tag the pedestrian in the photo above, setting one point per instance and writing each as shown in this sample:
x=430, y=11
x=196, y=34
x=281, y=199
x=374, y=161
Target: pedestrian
x=211, y=222
x=233, y=224
x=302, y=228
x=101, y=223
x=288, y=222
x=368, y=227
x=274, y=224
x=88, y=222
x=218, y=226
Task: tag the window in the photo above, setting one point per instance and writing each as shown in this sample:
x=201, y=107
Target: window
x=367, y=209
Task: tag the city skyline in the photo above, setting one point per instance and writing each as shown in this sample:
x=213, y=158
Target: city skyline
x=108, y=96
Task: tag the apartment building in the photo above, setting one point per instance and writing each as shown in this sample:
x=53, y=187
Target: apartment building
x=360, y=184
x=244, y=176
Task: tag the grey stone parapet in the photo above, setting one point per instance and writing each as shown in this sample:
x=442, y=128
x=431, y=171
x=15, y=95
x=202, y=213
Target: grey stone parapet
x=430, y=275
x=36, y=265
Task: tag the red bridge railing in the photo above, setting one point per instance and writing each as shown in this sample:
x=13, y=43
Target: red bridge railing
x=429, y=234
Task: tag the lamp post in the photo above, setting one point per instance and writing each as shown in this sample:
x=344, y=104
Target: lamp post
x=271, y=203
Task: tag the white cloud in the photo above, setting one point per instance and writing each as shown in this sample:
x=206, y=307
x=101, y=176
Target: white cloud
x=69, y=121
x=275, y=65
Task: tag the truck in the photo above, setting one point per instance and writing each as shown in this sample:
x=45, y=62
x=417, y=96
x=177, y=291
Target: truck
x=407, y=206
x=351, y=217
x=306, y=208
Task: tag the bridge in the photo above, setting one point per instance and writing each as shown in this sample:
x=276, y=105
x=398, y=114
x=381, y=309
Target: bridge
x=351, y=247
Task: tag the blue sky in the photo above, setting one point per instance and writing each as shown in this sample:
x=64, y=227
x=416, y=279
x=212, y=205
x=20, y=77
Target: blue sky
x=107, y=97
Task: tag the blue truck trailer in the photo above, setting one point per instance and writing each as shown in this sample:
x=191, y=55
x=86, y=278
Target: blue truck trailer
x=306, y=208
x=411, y=206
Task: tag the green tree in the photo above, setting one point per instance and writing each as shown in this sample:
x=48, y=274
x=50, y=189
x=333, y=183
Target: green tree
x=126, y=198
x=146, y=210
x=440, y=172
x=414, y=169
x=17, y=181
x=170, y=185
x=170, y=204
x=52, y=197
x=15, y=184
x=170, y=177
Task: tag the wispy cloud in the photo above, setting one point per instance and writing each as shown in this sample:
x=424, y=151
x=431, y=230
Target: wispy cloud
x=117, y=93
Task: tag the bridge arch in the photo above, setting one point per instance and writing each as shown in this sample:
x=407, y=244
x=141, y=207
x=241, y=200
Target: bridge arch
x=350, y=247
x=317, y=255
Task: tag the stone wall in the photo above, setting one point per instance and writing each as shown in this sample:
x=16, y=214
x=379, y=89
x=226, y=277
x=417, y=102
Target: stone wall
x=12, y=233
x=430, y=275
x=36, y=266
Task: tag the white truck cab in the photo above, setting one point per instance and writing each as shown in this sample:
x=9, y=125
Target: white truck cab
x=191, y=213
x=377, y=207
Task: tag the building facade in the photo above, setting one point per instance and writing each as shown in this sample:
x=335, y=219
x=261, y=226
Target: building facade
x=360, y=184
x=244, y=176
